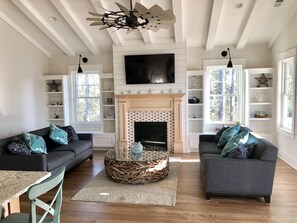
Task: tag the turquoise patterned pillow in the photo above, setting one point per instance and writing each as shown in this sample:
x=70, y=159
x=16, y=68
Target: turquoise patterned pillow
x=241, y=138
x=58, y=135
x=35, y=143
x=227, y=135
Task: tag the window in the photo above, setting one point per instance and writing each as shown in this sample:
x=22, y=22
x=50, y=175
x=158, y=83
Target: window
x=287, y=92
x=87, y=107
x=223, y=94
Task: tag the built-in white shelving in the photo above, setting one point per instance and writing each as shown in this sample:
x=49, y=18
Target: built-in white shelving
x=194, y=110
x=57, y=99
x=259, y=100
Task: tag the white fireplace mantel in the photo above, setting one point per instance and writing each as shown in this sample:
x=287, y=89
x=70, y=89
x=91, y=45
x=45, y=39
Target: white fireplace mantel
x=151, y=102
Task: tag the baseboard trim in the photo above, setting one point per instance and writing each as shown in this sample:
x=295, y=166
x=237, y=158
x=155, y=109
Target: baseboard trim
x=292, y=161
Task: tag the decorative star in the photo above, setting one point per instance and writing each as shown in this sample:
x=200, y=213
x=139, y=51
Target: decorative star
x=129, y=91
x=169, y=91
x=138, y=92
x=149, y=91
x=54, y=86
x=162, y=91
x=263, y=81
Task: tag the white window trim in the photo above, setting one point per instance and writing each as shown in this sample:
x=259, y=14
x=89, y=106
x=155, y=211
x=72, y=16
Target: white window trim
x=224, y=62
x=282, y=57
x=88, y=127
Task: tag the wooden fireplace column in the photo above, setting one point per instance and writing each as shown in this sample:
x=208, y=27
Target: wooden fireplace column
x=151, y=102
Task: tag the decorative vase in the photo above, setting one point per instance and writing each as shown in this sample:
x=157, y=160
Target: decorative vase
x=136, y=148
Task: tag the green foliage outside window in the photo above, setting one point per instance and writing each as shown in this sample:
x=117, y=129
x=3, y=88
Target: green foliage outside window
x=88, y=97
x=223, y=94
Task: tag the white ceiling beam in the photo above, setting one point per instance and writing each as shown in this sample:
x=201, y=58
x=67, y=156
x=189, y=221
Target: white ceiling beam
x=214, y=23
x=255, y=14
x=21, y=31
x=35, y=17
x=283, y=24
x=178, y=26
x=75, y=24
x=117, y=40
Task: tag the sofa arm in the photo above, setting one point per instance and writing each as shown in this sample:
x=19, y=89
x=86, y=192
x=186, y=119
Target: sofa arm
x=238, y=176
x=33, y=162
x=85, y=136
x=207, y=138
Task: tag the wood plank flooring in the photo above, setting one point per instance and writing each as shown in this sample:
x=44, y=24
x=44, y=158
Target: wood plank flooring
x=191, y=205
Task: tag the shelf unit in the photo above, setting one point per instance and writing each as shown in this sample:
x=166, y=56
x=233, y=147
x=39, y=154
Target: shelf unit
x=108, y=103
x=57, y=105
x=195, y=110
x=260, y=100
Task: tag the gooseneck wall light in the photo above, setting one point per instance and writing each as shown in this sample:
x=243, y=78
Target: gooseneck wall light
x=224, y=54
x=85, y=60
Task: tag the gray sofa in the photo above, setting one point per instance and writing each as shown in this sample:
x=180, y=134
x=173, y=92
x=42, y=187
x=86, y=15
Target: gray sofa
x=58, y=155
x=238, y=177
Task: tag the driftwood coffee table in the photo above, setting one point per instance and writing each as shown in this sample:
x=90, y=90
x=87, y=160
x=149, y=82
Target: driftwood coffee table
x=150, y=166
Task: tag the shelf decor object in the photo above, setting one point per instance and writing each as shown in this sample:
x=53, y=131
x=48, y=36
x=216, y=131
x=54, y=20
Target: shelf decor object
x=54, y=86
x=138, y=18
x=261, y=114
x=263, y=81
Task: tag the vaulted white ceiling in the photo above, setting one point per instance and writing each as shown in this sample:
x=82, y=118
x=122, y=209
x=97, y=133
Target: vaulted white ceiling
x=60, y=26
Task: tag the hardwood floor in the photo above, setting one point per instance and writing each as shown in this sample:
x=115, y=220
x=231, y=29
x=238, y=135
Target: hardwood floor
x=191, y=205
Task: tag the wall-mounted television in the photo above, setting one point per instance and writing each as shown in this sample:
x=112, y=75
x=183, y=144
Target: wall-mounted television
x=150, y=69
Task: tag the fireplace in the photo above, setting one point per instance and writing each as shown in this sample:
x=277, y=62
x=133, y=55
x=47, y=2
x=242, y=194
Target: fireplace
x=151, y=133
x=151, y=108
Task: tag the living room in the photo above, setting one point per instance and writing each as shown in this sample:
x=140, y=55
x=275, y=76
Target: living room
x=30, y=51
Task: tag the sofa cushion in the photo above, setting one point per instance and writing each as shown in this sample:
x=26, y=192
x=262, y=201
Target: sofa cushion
x=58, y=158
x=35, y=143
x=227, y=135
x=219, y=133
x=233, y=143
x=242, y=151
x=72, y=136
x=58, y=135
x=77, y=147
x=209, y=147
x=18, y=146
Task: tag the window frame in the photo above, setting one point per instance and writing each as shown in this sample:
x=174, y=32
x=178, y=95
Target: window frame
x=76, y=98
x=283, y=60
x=84, y=127
x=240, y=99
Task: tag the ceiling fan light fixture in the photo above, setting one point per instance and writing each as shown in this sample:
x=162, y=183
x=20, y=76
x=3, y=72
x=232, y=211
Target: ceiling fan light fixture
x=138, y=18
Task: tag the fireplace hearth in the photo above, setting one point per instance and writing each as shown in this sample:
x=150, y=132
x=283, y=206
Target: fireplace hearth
x=151, y=133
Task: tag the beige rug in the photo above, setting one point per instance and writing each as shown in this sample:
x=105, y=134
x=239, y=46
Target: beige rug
x=102, y=189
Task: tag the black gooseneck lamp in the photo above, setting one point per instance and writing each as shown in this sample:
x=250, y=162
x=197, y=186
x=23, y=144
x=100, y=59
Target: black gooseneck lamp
x=84, y=59
x=224, y=54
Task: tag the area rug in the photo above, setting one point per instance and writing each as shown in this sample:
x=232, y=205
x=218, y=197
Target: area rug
x=102, y=189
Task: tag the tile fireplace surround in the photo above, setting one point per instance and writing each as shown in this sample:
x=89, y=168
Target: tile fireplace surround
x=151, y=107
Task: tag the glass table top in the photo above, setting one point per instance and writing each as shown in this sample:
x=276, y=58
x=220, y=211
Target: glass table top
x=123, y=154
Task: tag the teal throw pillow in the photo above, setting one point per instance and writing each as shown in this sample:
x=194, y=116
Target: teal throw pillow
x=227, y=135
x=241, y=138
x=58, y=135
x=35, y=143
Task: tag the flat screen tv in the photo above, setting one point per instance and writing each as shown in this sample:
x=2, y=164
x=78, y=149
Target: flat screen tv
x=149, y=69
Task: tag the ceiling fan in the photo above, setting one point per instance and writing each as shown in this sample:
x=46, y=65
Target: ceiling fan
x=139, y=18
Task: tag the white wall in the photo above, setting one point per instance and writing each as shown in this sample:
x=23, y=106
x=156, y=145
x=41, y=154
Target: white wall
x=256, y=56
x=287, y=145
x=21, y=85
x=59, y=62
